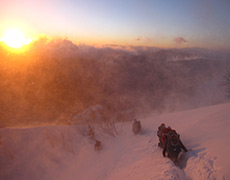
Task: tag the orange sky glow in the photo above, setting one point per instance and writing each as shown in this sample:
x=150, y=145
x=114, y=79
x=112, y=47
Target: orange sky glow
x=164, y=24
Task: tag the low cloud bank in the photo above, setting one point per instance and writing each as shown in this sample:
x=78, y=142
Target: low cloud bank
x=180, y=40
x=57, y=79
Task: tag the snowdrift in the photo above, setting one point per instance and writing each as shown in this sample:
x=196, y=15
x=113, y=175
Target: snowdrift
x=64, y=152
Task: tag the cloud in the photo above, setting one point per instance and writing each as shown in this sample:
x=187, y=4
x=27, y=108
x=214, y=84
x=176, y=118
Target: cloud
x=146, y=40
x=138, y=39
x=64, y=79
x=180, y=40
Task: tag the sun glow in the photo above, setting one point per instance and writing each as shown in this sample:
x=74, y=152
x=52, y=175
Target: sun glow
x=15, y=38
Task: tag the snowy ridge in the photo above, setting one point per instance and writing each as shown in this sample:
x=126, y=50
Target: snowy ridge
x=58, y=153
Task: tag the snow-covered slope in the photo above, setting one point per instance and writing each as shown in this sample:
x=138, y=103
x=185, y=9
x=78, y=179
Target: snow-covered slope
x=64, y=153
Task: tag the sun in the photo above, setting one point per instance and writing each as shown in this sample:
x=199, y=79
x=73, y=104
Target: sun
x=14, y=38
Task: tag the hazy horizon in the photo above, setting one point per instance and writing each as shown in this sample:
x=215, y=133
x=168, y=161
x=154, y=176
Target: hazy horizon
x=53, y=81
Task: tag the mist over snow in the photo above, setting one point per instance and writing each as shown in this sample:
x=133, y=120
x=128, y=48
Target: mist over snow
x=55, y=80
x=66, y=152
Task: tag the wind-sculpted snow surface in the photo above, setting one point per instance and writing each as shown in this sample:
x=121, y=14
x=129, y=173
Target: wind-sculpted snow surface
x=202, y=166
x=64, y=152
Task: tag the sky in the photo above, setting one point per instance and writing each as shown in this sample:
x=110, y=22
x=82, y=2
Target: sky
x=159, y=23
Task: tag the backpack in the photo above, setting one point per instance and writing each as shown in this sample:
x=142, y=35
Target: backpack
x=173, y=144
